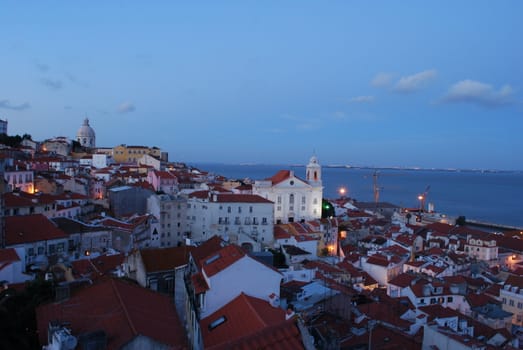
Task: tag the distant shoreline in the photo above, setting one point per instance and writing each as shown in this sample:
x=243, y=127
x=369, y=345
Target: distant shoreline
x=398, y=168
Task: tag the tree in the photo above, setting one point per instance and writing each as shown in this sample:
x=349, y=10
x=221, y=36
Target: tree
x=327, y=209
x=461, y=221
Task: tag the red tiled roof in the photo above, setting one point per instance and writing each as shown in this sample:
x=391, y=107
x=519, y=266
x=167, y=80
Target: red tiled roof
x=199, y=283
x=122, y=310
x=378, y=259
x=7, y=257
x=207, y=248
x=97, y=267
x=280, y=176
x=30, y=228
x=250, y=323
x=165, y=259
x=221, y=260
x=438, y=311
x=242, y=198
x=403, y=280
x=280, y=233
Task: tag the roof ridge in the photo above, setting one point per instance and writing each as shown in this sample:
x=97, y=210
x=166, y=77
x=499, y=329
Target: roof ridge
x=122, y=304
x=248, y=300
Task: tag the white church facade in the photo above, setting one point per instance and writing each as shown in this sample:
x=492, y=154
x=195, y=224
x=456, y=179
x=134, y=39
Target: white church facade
x=294, y=199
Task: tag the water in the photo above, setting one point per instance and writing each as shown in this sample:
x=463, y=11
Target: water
x=492, y=197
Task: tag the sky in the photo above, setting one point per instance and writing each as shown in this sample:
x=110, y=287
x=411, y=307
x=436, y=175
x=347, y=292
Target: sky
x=416, y=84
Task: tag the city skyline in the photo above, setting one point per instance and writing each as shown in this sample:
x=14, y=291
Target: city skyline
x=408, y=85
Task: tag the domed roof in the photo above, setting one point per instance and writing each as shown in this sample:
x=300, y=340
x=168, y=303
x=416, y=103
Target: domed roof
x=85, y=130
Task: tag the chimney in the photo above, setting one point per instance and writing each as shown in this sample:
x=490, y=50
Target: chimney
x=289, y=314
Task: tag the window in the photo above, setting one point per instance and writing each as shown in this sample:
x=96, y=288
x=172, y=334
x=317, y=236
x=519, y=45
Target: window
x=504, y=300
x=278, y=208
x=279, y=199
x=291, y=198
x=264, y=221
x=303, y=208
x=40, y=250
x=511, y=302
x=315, y=201
x=303, y=200
x=250, y=209
x=291, y=208
x=228, y=209
x=520, y=305
x=31, y=251
x=450, y=299
x=239, y=210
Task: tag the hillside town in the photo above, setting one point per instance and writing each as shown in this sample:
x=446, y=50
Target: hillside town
x=118, y=247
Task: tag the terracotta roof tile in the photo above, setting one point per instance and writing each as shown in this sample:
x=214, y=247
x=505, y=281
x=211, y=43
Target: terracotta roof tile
x=30, y=228
x=165, y=259
x=221, y=259
x=249, y=323
x=121, y=309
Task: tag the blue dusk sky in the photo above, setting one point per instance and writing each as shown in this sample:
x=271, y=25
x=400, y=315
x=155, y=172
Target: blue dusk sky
x=382, y=83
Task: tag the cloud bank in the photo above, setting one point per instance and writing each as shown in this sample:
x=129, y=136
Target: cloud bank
x=475, y=92
x=414, y=82
x=6, y=104
x=126, y=107
x=382, y=80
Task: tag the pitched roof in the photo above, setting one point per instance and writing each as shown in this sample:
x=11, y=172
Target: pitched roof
x=74, y=226
x=165, y=259
x=280, y=176
x=403, y=280
x=242, y=198
x=121, y=309
x=30, y=228
x=7, y=257
x=207, y=248
x=222, y=259
x=247, y=323
x=97, y=267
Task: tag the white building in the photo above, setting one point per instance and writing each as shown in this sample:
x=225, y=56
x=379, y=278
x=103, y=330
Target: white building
x=216, y=279
x=86, y=135
x=244, y=219
x=481, y=249
x=294, y=199
x=101, y=160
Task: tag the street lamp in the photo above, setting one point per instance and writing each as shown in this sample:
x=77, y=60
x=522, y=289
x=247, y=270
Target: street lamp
x=342, y=191
x=420, y=197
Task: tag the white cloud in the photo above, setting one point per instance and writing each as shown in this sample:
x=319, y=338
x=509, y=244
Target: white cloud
x=382, y=79
x=414, y=82
x=126, y=107
x=362, y=99
x=471, y=91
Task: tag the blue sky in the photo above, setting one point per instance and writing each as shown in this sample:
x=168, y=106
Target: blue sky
x=384, y=84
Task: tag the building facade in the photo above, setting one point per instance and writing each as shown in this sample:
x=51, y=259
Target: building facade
x=294, y=199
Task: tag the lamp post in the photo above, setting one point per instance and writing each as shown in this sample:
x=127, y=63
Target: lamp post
x=342, y=192
x=420, y=197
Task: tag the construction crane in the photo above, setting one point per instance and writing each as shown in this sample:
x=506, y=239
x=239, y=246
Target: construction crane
x=423, y=198
x=375, y=187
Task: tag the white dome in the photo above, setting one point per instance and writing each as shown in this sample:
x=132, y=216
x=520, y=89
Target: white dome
x=86, y=135
x=85, y=130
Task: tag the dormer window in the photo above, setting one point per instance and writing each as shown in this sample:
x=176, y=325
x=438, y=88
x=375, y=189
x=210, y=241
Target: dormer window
x=220, y=320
